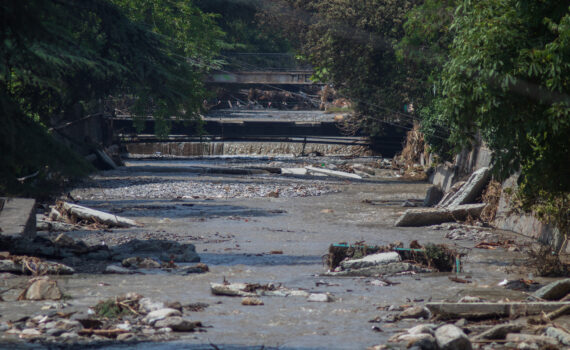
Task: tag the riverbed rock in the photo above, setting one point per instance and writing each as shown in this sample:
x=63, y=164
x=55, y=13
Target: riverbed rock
x=559, y=334
x=41, y=288
x=498, y=332
x=160, y=314
x=540, y=340
x=30, y=333
x=141, y=263
x=450, y=337
x=423, y=341
x=555, y=290
x=422, y=329
x=177, y=324
x=415, y=312
x=371, y=260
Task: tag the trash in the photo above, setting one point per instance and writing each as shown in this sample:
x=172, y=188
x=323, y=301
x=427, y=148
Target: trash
x=32, y=266
x=253, y=290
x=390, y=259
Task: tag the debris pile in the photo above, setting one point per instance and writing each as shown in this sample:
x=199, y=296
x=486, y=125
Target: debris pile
x=363, y=260
x=30, y=265
x=129, y=317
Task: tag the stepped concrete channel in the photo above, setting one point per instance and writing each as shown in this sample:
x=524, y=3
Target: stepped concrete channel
x=240, y=132
x=235, y=222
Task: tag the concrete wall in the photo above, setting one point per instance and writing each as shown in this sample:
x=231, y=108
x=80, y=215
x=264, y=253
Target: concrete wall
x=445, y=175
x=525, y=224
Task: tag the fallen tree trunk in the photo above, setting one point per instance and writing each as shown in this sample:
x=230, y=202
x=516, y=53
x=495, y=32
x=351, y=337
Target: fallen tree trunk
x=333, y=173
x=97, y=216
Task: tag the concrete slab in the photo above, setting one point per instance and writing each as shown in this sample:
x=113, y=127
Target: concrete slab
x=18, y=218
x=482, y=310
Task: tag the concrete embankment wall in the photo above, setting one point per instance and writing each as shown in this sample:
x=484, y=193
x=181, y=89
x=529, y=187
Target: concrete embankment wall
x=190, y=149
x=445, y=175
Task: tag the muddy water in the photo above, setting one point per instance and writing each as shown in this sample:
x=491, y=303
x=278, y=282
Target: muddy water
x=234, y=236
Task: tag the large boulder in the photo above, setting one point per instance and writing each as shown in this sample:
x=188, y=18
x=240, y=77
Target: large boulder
x=41, y=288
x=450, y=337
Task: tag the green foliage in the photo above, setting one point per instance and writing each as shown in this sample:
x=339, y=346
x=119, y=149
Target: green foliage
x=111, y=308
x=508, y=77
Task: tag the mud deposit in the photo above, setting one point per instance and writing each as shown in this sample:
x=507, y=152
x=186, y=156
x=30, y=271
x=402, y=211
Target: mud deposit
x=259, y=228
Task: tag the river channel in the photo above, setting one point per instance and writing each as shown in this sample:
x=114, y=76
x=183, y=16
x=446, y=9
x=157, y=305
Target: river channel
x=237, y=220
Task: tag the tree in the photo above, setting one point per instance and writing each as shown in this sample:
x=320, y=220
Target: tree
x=59, y=54
x=509, y=78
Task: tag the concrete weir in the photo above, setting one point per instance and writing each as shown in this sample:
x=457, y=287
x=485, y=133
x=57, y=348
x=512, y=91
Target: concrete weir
x=188, y=149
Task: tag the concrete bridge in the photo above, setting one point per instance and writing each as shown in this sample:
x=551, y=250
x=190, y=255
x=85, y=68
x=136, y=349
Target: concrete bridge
x=292, y=77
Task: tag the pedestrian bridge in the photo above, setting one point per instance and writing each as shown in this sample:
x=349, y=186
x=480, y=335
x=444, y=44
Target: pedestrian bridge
x=294, y=77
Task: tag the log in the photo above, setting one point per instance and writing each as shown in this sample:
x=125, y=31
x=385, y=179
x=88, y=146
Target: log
x=333, y=173
x=98, y=216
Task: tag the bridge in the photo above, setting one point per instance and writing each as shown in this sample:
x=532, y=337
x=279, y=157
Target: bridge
x=294, y=77
x=262, y=68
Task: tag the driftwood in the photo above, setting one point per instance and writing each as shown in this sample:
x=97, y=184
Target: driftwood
x=333, y=172
x=97, y=216
x=491, y=310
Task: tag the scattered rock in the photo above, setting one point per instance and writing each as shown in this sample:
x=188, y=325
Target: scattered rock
x=41, y=288
x=422, y=340
x=30, y=333
x=450, y=337
x=422, y=329
x=415, y=312
x=141, y=263
x=540, y=340
x=177, y=324
x=160, y=314
x=251, y=301
x=555, y=290
x=558, y=334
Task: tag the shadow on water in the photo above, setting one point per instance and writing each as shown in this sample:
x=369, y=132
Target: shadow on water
x=179, y=209
x=230, y=259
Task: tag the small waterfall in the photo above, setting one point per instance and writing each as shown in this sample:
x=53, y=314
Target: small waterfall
x=197, y=149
